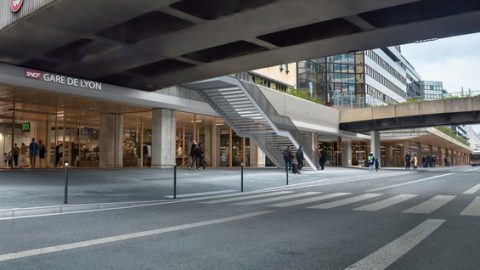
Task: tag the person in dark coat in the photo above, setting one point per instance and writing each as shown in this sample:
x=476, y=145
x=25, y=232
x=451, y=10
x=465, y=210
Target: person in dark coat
x=200, y=156
x=323, y=158
x=299, y=157
x=408, y=159
x=194, y=154
x=287, y=157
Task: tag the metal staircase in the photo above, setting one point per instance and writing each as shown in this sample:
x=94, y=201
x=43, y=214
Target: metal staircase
x=248, y=112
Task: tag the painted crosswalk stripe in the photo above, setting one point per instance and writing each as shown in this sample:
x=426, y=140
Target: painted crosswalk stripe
x=269, y=194
x=309, y=200
x=388, y=254
x=409, y=182
x=472, y=190
x=385, y=203
x=202, y=193
x=345, y=201
x=430, y=205
x=473, y=209
x=279, y=198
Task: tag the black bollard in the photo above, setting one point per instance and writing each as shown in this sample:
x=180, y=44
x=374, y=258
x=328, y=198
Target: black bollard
x=65, y=198
x=175, y=181
x=286, y=171
x=241, y=177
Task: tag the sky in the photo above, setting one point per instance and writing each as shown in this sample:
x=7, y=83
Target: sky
x=455, y=61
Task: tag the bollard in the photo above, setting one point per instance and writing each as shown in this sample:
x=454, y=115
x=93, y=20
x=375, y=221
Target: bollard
x=286, y=171
x=65, y=198
x=175, y=181
x=241, y=177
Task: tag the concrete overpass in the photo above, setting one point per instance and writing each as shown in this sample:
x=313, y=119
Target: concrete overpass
x=148, y=45
x=455, y=111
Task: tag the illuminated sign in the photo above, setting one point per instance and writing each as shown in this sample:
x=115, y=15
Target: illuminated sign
x=16, y=5
x=63, y=80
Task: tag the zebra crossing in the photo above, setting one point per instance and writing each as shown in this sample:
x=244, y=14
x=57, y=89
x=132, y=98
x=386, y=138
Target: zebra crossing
x=373, y=201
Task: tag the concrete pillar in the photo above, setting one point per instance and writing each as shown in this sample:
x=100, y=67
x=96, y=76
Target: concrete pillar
x=346, y=153
x=375, y=143
x=215, y=148
x=260, y=158
x=163, y=138
x=111, y=140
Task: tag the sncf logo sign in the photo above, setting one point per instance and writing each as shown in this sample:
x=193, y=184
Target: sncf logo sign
x=16, y=5
x=33, y=74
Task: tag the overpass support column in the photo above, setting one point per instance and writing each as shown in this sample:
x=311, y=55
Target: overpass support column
x=346, y=153
x=375, y=143
x=111, y=141
x=163, y=138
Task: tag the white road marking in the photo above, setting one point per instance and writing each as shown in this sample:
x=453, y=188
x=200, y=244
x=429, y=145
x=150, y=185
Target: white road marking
x=279, y=198
x=430, y=205
x=203, y=193
x=310, y=200
x=345, y=201
x=473, y=209
x=123, y=237
x=388, y=254
x=472, y=190
x=385, y=203
x=269, y=194
x=409, y=182
x=469, y=170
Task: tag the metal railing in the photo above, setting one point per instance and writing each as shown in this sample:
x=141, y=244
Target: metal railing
x=348, y=101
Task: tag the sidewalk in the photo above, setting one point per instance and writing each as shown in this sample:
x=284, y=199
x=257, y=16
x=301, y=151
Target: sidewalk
x=45, y=187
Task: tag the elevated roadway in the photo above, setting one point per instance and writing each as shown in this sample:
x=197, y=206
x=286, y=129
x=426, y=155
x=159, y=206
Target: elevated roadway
x=455, y=111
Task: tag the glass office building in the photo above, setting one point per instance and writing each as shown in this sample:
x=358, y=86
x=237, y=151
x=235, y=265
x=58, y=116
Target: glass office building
x=432, y=90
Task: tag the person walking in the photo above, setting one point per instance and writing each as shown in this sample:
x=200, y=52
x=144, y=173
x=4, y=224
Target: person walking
x=58, y=154
x=33, y=151
x=15, y=154
x=323, y=158
x=414, y=162
x=287, y=157
x=371, y=161
x=41, y=153
x=23, y=155
x=299, y=157
x=408, y=159
x=193, y=154
x=200, y=156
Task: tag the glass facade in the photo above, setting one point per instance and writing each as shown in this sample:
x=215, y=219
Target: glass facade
x=329, y=76
x=70, y=129
x=432, y=90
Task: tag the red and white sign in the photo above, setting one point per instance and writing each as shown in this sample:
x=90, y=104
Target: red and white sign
x=33, y=74
x=16, y=5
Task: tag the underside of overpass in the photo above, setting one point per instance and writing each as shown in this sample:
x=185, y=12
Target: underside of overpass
x=148, y=45
x=458, y=111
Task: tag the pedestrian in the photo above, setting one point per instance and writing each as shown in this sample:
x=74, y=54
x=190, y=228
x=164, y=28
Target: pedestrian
x=33, y=151
x=299, y=157
x=445, y=160
x=9, y=159
x=377, y=164
x=414, y=161
x=5, y=160
x=58, y=154
x=371, y=161
x=323, y=158
x=407, y=161
x=200, y=156
x=287, y=157
x=15, y=153
x=41, y=153
x=23, y=155
x=193, y=154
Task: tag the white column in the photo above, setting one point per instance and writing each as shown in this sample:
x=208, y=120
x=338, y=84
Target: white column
x=375, y=143
x=163, y=138
x=346, y=153
x=111, y=140
x=260, y=158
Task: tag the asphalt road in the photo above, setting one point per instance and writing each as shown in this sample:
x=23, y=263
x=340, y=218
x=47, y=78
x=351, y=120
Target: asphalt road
x=348, y=220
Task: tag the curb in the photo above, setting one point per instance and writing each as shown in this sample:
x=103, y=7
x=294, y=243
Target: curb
x=58, y=209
